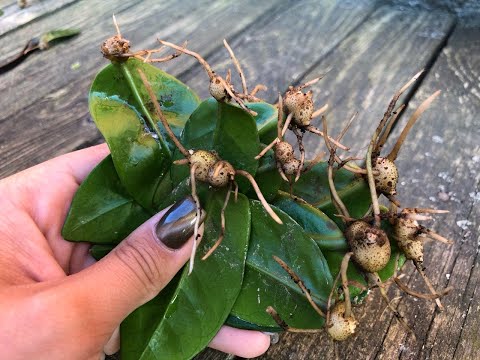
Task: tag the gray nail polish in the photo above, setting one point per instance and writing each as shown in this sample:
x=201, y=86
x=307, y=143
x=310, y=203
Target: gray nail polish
x=177, y=225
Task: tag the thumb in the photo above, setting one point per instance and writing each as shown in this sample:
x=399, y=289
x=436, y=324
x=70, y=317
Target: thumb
x=140, y=266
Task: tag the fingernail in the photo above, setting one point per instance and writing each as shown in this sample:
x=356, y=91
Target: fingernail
x=177, y=225
x=274, y=337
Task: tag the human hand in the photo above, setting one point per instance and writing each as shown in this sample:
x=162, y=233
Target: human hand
x=54, y=298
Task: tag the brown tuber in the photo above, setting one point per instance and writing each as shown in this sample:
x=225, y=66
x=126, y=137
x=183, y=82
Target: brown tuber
x=407, y=233
x=340, y=327
x=204, y=161
x=300, y=105
x=385, y=174
x=370, y=246
x=115, y=48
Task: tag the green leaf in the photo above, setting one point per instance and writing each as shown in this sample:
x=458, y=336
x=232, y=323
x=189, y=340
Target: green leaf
x=266, y=120
x=235, y=138
x=226, y=129
x=102, y=212
x=52, y=36
x=197, y=134
x=267, y=178
x=315, y=223
x=203, y=299
x=136, y=330
x=99, y=251
x=267, y=284
x=313, y=188
x=121, y=109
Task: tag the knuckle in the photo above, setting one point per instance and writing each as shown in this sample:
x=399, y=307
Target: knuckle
x=138, y=255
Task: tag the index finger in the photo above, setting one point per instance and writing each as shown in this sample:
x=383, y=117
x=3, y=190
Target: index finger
x=81, y=162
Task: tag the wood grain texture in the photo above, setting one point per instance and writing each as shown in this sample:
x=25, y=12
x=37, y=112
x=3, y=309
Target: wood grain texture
x=14, y=17
x=440, y=168
x=282, y=47
x=372, y=64
x=60, y=103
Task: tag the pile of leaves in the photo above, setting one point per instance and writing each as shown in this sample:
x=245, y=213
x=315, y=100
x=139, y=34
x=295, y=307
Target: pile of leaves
x=265, y=274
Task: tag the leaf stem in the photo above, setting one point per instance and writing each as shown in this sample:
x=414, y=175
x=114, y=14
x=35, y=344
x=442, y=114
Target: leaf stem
x=131, y=83
x=346, y=290
x=160, y=115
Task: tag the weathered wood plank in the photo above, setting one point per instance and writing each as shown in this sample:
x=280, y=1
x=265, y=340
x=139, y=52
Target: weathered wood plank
x=444, y=157
x=14, y=17
x=24, y=143
x=282, y=47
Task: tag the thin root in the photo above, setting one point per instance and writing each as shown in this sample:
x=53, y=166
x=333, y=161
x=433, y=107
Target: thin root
x=319, y=111
x=300, y=284
x=383, y=293
x=222, y=230
x=393, y=154
x=337, y=201
x=257, y=88
x=201, y=60
x=434, y=236
x=259, y=195
x=237, y=66
x=234, y=96
x=430, y=287
x=329, y=301
x=314, y=161
x=181, y=162
x=197, y=219
x=346, y=290
x=392, y=103
x=281, y=323
x=413, y=293
x=317, y=131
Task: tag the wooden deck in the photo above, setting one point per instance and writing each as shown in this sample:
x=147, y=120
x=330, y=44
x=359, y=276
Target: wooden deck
x=370, y=48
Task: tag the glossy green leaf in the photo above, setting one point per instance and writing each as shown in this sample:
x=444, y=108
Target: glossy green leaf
x=314, y=222
x=203, y=299
x=267, y=178
x=102, y=212
x=224, y=128
x=266, y=120
x=236, y=138
x=267, y=284
x=136, y=330
x=122, y=109
x=313, y=188
x=235, y=322
x=176, y=99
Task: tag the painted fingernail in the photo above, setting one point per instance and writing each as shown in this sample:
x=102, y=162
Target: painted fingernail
x=177, y=225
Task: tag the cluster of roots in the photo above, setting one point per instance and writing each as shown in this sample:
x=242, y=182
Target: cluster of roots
x=369, y=244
